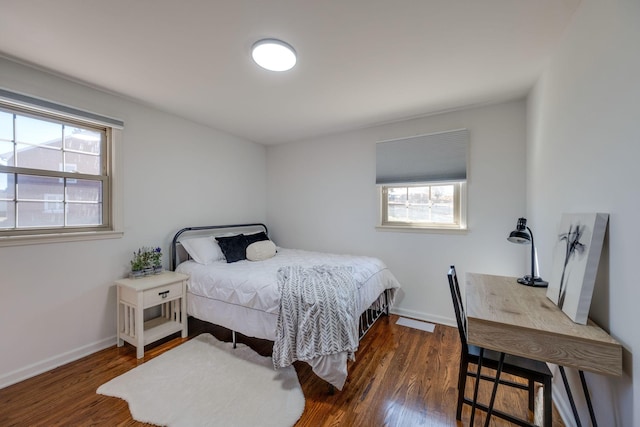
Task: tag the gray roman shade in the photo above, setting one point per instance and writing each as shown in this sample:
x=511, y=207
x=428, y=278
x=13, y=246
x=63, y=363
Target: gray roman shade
x=423, y=158
x=52, y=107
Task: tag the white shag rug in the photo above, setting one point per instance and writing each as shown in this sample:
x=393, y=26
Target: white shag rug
x=206, y=382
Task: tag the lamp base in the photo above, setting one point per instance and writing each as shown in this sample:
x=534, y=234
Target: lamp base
x=537, y=282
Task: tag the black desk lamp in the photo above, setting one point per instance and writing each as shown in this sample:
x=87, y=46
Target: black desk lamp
x=520, y=235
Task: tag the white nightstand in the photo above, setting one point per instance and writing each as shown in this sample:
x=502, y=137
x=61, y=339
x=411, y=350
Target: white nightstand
x=167, y=290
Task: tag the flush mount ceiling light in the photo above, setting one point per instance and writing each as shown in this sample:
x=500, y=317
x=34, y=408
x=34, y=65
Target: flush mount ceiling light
x=273, y=55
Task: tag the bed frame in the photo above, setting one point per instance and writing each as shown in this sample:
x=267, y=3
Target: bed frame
x=178, y=255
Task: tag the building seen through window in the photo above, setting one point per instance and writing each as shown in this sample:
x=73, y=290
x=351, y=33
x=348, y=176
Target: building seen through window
x=53, y=172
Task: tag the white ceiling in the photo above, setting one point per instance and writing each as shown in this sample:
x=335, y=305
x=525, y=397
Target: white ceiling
x=360, y=62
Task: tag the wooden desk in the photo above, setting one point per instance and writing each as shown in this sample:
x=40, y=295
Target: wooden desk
x=505, y=316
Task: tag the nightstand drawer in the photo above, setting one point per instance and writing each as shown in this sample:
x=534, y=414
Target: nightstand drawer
x=158, y=295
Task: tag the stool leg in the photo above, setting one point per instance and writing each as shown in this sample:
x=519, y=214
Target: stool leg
x=493, y=392
x=475, y=389
x=547, y=403
x=532, y=395
x=462, y=385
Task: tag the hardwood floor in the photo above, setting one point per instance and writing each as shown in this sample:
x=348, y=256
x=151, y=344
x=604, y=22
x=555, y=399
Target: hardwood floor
x=401, y=377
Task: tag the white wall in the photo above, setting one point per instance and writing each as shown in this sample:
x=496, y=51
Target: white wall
x=322, y=196
x=57, y=301
x=582, y=156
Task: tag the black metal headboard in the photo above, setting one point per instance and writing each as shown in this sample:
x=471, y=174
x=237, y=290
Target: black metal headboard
x=176, y=237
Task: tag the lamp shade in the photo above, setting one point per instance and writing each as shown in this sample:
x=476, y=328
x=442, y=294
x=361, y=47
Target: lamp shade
x=518, y=236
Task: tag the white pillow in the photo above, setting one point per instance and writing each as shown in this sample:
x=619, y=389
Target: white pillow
x=203, y=250
x=261, y=250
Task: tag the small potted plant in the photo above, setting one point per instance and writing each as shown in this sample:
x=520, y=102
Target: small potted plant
x=139, y=263
x=146, y=261
x=148, y=266
x=156, y=260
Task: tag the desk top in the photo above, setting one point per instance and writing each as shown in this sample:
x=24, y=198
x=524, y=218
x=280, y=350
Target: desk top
x=505, y=316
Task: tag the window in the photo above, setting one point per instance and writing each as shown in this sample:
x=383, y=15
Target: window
x=422, y=181
x=432, y=205
x=56, y=170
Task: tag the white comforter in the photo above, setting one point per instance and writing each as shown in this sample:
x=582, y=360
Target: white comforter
x=246, y=297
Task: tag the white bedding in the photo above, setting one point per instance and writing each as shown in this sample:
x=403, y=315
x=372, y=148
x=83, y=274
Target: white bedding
x=243, y=296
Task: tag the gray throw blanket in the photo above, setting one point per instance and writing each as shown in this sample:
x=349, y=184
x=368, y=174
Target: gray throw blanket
x=318, y=313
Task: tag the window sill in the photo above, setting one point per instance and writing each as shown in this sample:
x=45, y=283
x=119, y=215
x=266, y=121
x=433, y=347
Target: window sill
x=39, y=239
x=434, y=230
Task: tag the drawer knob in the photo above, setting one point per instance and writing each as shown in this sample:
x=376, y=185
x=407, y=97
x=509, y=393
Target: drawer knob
x=164, y=294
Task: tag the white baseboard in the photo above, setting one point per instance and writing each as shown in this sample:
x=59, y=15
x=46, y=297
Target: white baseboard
x=418, y=315
x=53, y=362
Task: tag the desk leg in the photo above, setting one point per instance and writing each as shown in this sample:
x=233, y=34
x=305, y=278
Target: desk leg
x=493, y=392
x=585, y=389
x=570, y=396
x=475, y=389
x=592, y=414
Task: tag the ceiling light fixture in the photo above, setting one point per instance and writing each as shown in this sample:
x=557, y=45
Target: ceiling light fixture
x=273, y=55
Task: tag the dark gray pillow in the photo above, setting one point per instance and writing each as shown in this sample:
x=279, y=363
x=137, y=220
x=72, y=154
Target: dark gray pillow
x=234, y=248
x=256, y=237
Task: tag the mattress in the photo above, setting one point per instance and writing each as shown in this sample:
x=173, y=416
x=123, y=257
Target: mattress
x=243, y=296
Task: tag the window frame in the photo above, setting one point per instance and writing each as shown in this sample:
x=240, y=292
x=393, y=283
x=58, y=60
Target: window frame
x=110, y=177
x=459, y=208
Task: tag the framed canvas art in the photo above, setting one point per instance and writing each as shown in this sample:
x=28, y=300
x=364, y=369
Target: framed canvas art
x=575, y=263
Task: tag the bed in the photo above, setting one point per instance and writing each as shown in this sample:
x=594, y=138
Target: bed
x=310, y=304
